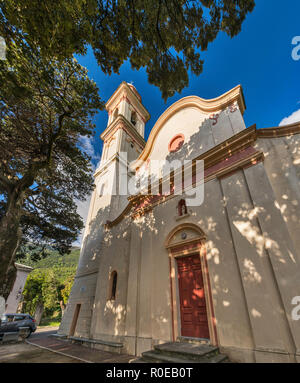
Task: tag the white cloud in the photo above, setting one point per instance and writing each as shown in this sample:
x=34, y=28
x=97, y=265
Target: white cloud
x=294, y=117
x=82, y=210
x=87, y=145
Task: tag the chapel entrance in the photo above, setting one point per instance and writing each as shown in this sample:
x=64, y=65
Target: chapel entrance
x=74, y=321
x=193, y=312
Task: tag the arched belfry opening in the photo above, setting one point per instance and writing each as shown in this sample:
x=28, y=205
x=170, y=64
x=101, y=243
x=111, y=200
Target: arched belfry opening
x=116, y=113
x=133, y=118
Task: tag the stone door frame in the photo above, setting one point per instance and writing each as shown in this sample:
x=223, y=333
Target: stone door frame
x=182, y=249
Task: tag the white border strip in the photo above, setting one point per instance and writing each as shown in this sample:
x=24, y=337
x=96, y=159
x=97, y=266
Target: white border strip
x=59, y=352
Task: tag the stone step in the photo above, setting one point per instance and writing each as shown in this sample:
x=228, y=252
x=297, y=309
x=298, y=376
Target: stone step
x=138, y=360
x=187, y=339
x=58, y=336
x=96, y=341
x=185, y=350
x=158, y=357
x=98, y=344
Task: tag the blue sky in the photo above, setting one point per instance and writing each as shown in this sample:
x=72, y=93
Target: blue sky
x=259, y=58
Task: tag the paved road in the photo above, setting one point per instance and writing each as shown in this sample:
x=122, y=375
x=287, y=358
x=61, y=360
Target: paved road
x=27, y=353
x=43, y=332
x=40, y=348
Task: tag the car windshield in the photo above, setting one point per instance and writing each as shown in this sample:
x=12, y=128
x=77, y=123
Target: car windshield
x=7, y=318
x=19, y=317
x=11, y=318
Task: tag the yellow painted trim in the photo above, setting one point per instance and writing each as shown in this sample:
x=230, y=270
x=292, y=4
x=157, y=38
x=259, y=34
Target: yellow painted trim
x=279, y=131
x=180, y=227
x=124, y=87
x=252, y=159
x=207, y=106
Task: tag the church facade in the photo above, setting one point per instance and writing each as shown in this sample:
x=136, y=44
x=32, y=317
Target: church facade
x=155, y=267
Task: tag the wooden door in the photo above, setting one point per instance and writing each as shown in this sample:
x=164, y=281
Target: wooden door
x=193, y=312
x=74, y=321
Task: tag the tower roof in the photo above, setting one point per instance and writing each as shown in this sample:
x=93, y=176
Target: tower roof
x=133, y=88
x=130, y=92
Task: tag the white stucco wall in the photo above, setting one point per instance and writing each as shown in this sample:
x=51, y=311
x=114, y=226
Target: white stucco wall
x=14, y=297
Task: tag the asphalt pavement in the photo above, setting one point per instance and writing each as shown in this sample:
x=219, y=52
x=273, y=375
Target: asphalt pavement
x=41, y=347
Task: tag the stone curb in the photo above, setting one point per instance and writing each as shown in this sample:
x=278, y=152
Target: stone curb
x=59, y=352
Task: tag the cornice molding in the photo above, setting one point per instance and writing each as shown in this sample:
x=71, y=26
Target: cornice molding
x=85, y=273
x=122, y=123
x=236, y=153
x=279, y=131
x=226, y=171
x=234, y=144
x=132, y=95
x=21, y=267
x=105, y=165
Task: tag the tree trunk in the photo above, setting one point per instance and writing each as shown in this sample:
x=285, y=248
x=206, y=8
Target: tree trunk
x=2, y=307
x=39, y=313
x=10, y=238
x=62, y=307
x=20, y=306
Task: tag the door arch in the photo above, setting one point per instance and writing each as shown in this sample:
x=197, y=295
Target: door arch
x=186, y=248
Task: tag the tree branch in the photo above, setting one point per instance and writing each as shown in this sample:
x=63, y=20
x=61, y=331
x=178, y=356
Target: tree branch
x=6, y=183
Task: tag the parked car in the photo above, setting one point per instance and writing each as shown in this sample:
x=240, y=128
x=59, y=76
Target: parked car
x=12, y=323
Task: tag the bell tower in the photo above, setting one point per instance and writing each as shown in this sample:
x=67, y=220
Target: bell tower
x=124, y=133
x=126, y=124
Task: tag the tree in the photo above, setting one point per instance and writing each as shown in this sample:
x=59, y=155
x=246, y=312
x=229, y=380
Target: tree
x=46, y=107
x=32, y=295
x=48, y=286
x=48, y=289
x=165, y=36
x=65, y=292
x=47, y=100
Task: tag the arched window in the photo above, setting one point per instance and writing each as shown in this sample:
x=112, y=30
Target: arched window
x=181, y=207
x=113, y=285
x=116, y=113
x=102, y=190
x=133, y=118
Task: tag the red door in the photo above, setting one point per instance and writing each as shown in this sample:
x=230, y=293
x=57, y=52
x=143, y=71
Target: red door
x=192, y=300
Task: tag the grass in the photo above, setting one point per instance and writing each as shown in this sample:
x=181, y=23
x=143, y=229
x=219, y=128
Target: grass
x=49, y=322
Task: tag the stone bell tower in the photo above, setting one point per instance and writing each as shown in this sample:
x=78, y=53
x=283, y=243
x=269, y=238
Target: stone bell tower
x=124, y=134
x=126, y=124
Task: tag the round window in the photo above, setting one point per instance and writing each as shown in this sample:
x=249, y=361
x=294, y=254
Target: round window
x=176, y=143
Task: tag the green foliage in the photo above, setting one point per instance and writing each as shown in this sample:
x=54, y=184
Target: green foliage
x=47, y=101
x=50, y=282
x=53, y=321
x=46, y=107
x=165, y=36
x=33, y=291
x=46, y=258
x=65, y=292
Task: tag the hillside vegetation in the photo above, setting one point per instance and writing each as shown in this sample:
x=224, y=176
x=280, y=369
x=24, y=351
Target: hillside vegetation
x=48, y=286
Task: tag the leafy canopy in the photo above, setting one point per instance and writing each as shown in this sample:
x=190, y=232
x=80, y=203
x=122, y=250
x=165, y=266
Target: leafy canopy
x=47, y=101
x=165, y=36
x=46, y=107
x=50, y=283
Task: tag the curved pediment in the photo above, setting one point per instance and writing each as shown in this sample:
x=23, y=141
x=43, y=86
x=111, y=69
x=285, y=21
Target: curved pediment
x=184, y=233
x=187, y=117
